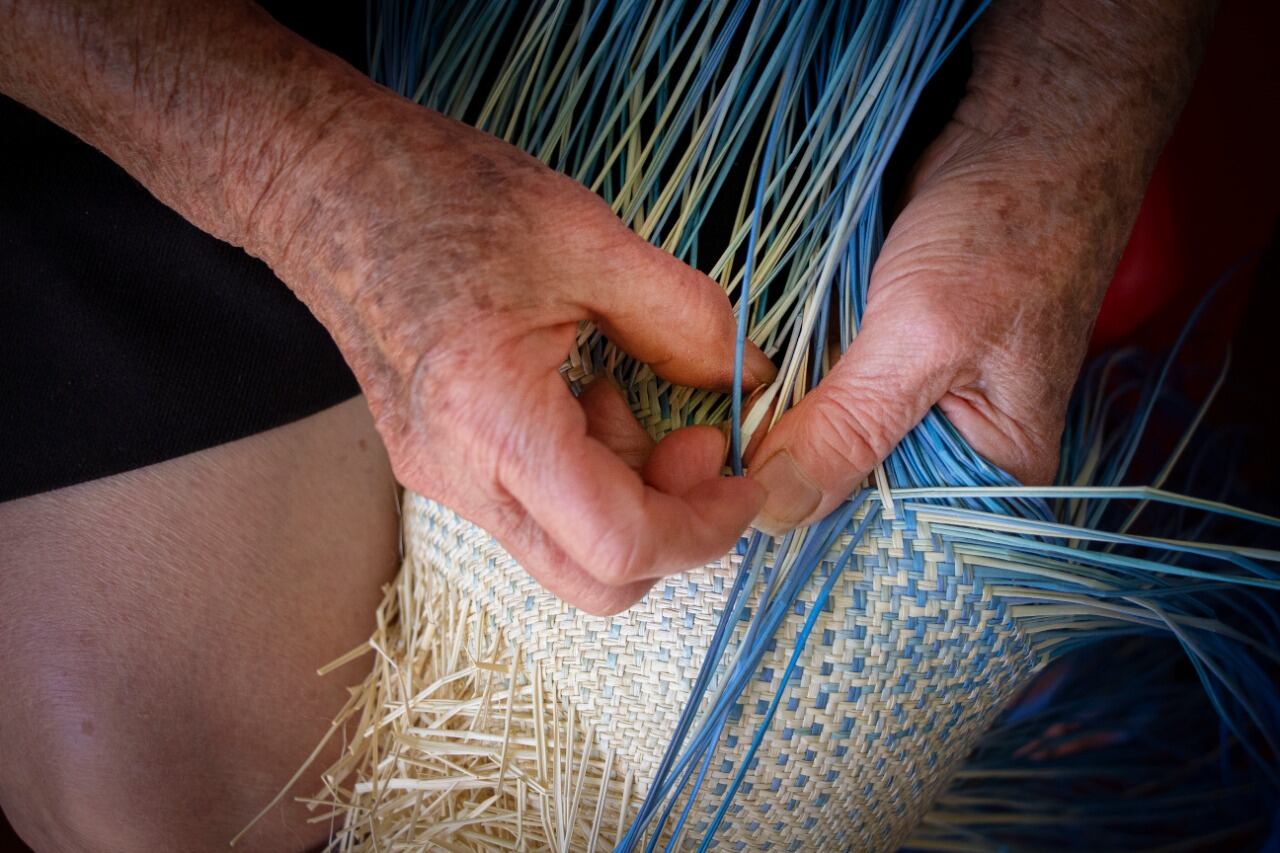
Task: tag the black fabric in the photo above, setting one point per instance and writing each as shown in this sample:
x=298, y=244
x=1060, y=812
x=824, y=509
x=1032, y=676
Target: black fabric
x=128, y=336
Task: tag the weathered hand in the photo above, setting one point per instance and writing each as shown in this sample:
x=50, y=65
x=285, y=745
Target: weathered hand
x=981, y=302
x=453, y=271
x=990, y=279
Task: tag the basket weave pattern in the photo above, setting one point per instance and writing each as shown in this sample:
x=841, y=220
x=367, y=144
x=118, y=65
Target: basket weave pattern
x=909, y=664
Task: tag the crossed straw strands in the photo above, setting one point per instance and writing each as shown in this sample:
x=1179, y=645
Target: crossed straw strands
x=817, y=691
x=496, y=717
x=912, y=660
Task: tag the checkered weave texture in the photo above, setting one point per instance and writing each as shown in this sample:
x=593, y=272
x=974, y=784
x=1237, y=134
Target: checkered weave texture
x=912, y=660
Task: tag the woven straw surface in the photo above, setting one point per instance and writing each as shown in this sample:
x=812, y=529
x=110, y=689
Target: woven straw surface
x=910, y=663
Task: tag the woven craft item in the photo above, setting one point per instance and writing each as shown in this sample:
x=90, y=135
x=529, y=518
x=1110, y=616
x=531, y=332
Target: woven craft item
x=911, y=660
x=816, y=692
x=495, y=717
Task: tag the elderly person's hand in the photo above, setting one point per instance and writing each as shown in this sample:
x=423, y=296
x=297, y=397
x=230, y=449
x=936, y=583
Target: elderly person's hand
x=990, y=279
x=453, y=271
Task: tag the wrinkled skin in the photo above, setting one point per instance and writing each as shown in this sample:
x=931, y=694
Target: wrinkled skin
x=457, y=297
x=452, y=270
x=990, y=279
x=169, y=620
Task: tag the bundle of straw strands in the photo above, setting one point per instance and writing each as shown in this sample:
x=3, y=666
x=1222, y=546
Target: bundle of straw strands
x=818, y=691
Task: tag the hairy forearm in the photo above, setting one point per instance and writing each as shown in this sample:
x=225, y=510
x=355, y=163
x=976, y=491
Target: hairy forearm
x=211, y=105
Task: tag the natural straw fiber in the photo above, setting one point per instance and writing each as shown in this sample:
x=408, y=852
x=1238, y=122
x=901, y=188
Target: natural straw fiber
x=497, y=717
x=816, y=692
x=913, y=659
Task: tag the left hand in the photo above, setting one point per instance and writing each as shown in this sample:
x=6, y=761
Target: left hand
x=988, y=284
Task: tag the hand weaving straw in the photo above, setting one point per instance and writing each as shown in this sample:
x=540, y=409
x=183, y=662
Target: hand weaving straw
x=814, y=692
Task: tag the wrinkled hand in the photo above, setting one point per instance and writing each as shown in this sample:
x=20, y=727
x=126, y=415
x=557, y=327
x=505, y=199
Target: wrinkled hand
x=990, y=279
x=981, y=302
x=453, y=271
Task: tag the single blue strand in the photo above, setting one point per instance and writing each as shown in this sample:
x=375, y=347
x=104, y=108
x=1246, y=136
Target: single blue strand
x=744, y=298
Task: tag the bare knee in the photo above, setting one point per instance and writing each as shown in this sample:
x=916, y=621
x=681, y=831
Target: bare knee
x=163, y=630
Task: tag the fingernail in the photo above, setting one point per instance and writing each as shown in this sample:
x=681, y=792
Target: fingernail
x=758, y=366
x=792, y=495
x=726, y=432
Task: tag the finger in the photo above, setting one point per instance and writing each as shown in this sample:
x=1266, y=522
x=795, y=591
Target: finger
x=548, y=564
x=682, y=460
x=686, y=458
x=610, y=421
x=604, y=516
x=674, y=319
x=820, y=451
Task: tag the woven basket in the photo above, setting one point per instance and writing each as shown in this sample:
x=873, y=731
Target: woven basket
x=909, y=664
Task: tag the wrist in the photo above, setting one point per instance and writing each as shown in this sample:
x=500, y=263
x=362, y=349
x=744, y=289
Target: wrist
x=210, y=105
x=265, y=172
x=328, y=214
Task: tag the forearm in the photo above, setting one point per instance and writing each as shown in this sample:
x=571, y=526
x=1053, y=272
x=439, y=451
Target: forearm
x=211, y=105
x=1087, y=75
x=1084, y=93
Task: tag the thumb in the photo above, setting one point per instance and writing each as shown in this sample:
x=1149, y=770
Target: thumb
x=820, y=451
x=673, y=318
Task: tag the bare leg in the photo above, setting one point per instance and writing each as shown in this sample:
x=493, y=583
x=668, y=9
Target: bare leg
x=162, y=630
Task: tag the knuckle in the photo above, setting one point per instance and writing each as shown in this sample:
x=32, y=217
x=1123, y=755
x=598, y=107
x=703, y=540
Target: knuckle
x=847, y=430
x=620, y=556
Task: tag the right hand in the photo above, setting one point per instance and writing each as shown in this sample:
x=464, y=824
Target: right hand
x=453, y=270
